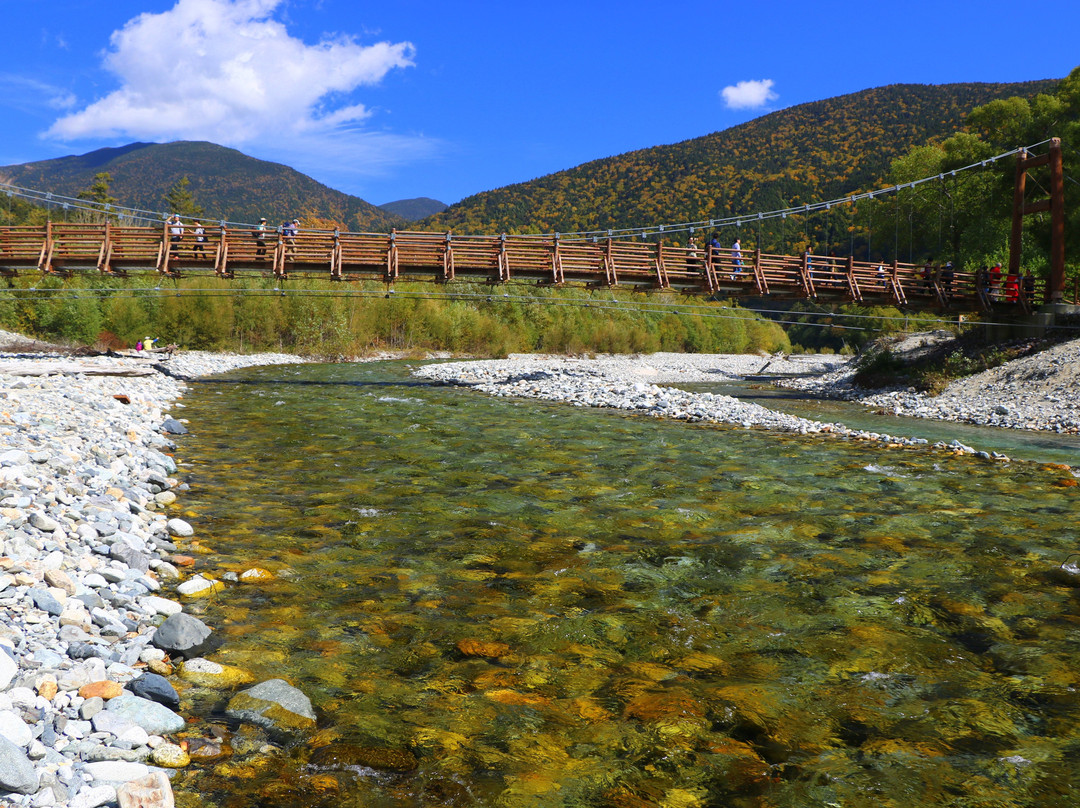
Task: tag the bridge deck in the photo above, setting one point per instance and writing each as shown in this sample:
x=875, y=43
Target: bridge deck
x=108, y=249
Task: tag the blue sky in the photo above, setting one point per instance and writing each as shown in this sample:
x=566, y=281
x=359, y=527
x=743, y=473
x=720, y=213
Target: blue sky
x=407, y=98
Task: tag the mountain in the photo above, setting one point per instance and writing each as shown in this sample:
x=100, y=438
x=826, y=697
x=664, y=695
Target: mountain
x=227, y=183
x=811, y=152
x=412, y=210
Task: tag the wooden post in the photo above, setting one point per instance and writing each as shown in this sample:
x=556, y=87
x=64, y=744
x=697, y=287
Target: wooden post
x=1017, y=234
x=448, y=258
x=609, y=264
x=504, y=259
x=163, y=256
x=853, y=285
x=222, y=256
x=335, y=257
x=1055, y=289
x=759, y=276
x=279, y=255
x=105, y=251
x=392, y=257
x=45, y=257
x=898, y=290
x=807, y=275
x=661, y=270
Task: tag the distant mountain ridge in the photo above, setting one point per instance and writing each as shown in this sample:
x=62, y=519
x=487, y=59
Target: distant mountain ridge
x=811, y=152
x=227, y=183
x=412, y=210
x=806, y=153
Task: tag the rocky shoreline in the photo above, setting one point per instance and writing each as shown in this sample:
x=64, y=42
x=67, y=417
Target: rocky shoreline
x=637, y=383
x=87, y=556
x=1037, y=392
x=98, y=605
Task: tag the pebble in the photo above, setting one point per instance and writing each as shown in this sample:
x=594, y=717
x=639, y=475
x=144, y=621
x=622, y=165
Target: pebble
x=84, y=546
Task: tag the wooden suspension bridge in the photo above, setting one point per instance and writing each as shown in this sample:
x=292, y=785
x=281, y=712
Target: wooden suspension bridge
x=108, y=249
x=226, y=252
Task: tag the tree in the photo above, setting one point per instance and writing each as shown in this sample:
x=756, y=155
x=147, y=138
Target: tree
x=98, y=192
x=98, y=195
x=179, y=200
x=979, y=205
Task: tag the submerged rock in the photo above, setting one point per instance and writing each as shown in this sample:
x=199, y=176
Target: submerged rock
x=204, y=673
x=340, y=755
x=274, y=705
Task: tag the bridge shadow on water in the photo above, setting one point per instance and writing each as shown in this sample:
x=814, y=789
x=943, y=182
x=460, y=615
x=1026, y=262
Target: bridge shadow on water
x=317, y=382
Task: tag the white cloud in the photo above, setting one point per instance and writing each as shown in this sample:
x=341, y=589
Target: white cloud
x=26, y=93
x=228, y=72
x=749, y=94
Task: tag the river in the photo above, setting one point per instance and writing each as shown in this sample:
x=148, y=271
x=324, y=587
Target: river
x=496, y=602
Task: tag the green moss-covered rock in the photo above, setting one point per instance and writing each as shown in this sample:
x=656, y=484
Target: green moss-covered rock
x=274, y=705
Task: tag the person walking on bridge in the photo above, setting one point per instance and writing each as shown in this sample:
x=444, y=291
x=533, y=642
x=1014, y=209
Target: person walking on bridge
x=713, y=249
x=198, y=250
x=260, y=240
x=290, y=229
x=736, y=258
x=176, y=233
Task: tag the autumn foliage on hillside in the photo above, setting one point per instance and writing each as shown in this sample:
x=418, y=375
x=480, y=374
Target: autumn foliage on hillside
x=224, y=182
x=807, y=153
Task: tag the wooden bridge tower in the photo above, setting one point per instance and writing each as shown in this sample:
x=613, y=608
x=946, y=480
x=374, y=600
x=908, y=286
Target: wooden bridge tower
x=1055, y=288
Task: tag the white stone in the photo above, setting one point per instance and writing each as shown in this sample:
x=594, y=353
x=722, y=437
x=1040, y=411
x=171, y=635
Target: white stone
x=178, y=527
x=162, y=606
x=196, y=585
x=135, y=734
x=151, y=654
x=116, y=771
x=22, y=697
x=15, y=729
x=8, y=669
x=95, y=580
x=93, y=796
x=45, y=524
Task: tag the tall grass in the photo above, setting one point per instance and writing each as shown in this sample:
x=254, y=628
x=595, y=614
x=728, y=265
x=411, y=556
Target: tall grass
x=327, y=319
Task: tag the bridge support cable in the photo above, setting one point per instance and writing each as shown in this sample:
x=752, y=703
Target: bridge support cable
x=52, y=201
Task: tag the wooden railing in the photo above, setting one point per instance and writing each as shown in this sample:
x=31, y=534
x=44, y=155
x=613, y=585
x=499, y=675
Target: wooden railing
x=229, y=252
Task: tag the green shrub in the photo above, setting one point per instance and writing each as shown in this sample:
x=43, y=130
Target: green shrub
x=324, y=319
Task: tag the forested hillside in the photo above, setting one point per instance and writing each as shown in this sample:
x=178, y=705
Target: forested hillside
x=412, y=210
x=810, y=152
x=226, y=183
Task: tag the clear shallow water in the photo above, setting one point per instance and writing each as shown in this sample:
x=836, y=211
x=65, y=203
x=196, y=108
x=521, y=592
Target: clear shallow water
x=497, y=602
x=1044, y=447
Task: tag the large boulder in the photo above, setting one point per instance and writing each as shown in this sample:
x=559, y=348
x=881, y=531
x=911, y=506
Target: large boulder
x=183, y=636
x=17, y=773
x=156, y=719
x=275, y=705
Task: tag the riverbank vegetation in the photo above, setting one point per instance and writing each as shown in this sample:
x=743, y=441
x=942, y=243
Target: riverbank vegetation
x=329, y=320
x=931, y=369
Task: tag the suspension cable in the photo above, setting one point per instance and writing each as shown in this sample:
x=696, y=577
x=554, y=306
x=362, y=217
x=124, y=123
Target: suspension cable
x=142, y=214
